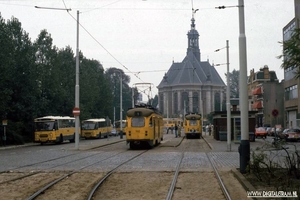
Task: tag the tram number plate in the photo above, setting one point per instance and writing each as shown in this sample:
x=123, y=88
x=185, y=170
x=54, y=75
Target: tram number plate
x=137, y=131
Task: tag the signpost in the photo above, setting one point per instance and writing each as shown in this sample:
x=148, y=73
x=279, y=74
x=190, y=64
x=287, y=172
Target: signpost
x=4, y=123
x=76, y=113
x=275, y=112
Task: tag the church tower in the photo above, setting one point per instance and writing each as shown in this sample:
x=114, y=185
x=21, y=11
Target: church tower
x=191, y=85
x=193, y=40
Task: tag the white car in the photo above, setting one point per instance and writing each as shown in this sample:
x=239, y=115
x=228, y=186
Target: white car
x=114, y=132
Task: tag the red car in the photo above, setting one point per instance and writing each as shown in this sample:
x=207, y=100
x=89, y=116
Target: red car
x=261, y=132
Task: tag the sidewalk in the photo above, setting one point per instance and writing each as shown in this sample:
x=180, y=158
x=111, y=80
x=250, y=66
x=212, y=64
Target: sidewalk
x=222, y=146
x=216, y=145
x=92, y=143
x=169, y=140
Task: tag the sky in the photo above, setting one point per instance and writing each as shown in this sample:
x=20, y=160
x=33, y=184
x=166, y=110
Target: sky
x=144, y=37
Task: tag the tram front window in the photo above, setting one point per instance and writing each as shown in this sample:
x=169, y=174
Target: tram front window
x=137, y=122
x=193, y=122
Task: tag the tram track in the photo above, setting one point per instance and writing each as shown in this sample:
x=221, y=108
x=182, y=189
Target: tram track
x=31, y=173
x=129, y=175
x=177, y=172
x=11, y=177
x=19, y=168
x=97, y=185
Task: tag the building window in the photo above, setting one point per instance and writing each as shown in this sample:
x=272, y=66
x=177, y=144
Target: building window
x=291, y=92
x=289, y=73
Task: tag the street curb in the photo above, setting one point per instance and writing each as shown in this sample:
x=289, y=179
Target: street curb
x=210, y=146
x=244, y=182
x=17, y=146
x=180, y=142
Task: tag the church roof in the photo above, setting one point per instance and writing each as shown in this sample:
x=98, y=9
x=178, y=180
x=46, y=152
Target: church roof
x=191, y=71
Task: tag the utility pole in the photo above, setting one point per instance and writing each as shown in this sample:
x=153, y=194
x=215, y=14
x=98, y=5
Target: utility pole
x=244, y=148
x=228, y=102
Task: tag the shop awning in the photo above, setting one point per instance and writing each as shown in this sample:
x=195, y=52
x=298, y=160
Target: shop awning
x=257, y=91
x=257, y=105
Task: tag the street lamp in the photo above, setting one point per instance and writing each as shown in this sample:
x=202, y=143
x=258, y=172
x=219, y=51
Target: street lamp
x=121, y=108
x=227, y=99
x=244, y=148
x=76, y=110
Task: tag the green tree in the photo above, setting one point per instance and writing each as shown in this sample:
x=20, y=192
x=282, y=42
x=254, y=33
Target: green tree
x=114, y=75
x=46, y=72
x=291, y=52
x=38, y=79
x=64, y=82
x=154, y=101
x=19, y=71
x=234, y=83
x=95, y=90
x=6, y=57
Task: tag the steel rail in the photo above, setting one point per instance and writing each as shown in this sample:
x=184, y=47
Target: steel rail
x=173, y=184
x=223, y=188
x=40, y=191
x=109, y=173
x=61, y=157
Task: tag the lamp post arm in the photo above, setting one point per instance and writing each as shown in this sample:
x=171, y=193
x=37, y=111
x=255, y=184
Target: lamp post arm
x=39, y=7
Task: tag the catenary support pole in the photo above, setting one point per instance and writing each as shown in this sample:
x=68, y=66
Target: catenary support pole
x=77, y=87
x=228, y=102
x=244, y=148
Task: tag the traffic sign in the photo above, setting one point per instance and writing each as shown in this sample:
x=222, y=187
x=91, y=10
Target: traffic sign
x=76, y=111
x=4, y=122
x=275, y=112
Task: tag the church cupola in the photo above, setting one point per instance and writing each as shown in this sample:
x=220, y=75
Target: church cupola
x=193, y=39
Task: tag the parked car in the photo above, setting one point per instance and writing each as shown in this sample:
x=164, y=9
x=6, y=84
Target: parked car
x=268, y=129
x=281, y=134
x=113, y=132
x=261, y=132
x=293, y=135
x=285, y=131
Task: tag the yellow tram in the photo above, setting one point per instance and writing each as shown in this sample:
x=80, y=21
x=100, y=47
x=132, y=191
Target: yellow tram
x=192, y=125
x=144, y=126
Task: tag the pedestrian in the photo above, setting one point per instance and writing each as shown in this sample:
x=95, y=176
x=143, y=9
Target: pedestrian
x=206, y=129
x=179, y=131
x=172, y=128
x=176, y=130
x=209, y=129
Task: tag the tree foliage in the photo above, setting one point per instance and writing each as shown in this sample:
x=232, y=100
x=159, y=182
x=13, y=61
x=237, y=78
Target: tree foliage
x=234, y=83
x=38, y=79
x=291, y=52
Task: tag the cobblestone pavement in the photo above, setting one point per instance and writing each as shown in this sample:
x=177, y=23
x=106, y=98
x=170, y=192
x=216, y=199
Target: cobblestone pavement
x=223, y=155
x=220, y=153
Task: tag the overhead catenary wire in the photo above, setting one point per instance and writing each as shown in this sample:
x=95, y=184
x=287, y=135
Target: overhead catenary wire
x=101, y=44
x=106, y=6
